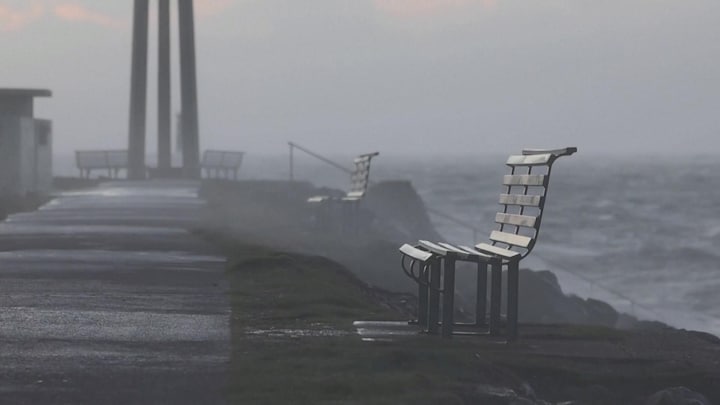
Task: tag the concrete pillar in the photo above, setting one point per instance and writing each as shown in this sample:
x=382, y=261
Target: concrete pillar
x=164, y=113
x=188, y=80
x=138, y=91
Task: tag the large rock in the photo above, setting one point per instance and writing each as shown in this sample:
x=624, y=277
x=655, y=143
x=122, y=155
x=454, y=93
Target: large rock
x=677, y=396
x=399, y=211
x=501, y=395
x=542, y=300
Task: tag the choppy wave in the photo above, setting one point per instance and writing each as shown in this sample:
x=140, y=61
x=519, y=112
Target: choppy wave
x=645, y=231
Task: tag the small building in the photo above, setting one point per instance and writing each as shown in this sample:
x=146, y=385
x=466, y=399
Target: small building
x=25, y=144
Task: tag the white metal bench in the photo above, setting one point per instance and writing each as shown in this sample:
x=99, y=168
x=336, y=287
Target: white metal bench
x=326, y=207
x=111, y=160
x=519, y=222
x=222, y=163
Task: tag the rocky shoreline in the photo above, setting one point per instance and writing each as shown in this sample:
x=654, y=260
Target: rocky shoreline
x=571, y=351
x=293, y=322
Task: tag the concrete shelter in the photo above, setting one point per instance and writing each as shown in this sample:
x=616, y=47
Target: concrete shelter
x=25, y=144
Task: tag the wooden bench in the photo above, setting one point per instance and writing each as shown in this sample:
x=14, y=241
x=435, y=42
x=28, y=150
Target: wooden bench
x=221, y=163
x=429, y=263
x=111, y=160
x=347, y=207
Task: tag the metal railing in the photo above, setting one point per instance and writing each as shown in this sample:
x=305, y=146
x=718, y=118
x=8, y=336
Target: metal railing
x=321, y=158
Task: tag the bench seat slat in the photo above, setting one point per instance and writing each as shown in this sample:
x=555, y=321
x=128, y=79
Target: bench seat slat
x=529, y=160
x=475, y=252
x=498, y=251
x=463, y=254
x=318, y=199
x=452, y=248
x=415, y=253
x=434, y=248
x=517, y=220
x=522, y=200
x=524, y=180
x=511, y=239
x=354, y=195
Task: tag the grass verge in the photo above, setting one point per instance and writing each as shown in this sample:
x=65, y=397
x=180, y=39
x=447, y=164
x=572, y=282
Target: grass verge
x=293, y=339
x=293, y=343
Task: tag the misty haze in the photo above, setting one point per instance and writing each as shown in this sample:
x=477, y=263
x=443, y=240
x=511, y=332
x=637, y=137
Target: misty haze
x=359, y=202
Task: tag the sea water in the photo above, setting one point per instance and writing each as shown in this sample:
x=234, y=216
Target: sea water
x=641, y=234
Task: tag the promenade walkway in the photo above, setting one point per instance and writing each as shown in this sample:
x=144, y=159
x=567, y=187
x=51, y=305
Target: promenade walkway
x=106, y=298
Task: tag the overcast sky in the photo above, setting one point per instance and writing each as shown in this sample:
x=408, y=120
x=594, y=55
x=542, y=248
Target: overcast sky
x=399, y=76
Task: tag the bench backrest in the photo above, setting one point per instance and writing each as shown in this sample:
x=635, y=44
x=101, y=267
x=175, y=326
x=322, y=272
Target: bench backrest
x=101, y=159
x=524, y=199
x=117, y=158
x=222, y=159
x=360, y=177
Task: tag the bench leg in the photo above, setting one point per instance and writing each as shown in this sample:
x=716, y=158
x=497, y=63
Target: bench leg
x=422, y=314
x=481, y=296
x=513, y=299
x=341, y=219
x=448, y=298
x=345, y=217
x=495, y=297
x=434, y=299
x=349, y=223
x=355, y=218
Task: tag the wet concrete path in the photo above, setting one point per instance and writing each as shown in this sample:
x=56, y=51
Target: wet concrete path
x=106, y=298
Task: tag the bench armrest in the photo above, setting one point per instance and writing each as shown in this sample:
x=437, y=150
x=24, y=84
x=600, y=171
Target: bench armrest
x=555, y=152
x=415, y=253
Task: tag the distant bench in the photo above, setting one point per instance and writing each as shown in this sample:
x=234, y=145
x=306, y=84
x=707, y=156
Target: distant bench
x=326, y=216
x=221, y=163
x=111, y=160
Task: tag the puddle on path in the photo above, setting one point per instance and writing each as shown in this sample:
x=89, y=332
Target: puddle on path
x=297, y=333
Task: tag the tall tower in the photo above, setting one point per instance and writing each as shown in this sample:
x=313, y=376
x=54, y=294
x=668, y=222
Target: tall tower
x=189, y=127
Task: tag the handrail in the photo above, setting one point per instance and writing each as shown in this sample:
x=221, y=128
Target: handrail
x=316, y=156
